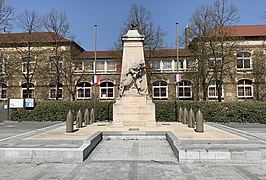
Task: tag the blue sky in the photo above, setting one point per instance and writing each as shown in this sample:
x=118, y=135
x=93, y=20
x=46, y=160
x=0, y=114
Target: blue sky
x=109, y=15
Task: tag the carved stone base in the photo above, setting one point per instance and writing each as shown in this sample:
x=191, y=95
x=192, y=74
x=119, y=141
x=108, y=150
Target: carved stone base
x=134, y=111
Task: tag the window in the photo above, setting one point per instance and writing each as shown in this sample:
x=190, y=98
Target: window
x=185, y=91
x=215, y=61
x=160, y=90
x=105, y=66
x=28, y=64
x=182, y=64
x=3, y=62
x=53, y=90
x=107, y=90
x=88, y=67
x=244, y=88
x=243, y=60
x=165, y=65
x=3, y=88
x=25, y=93
x=213, y=90
x=84, y=90
x=78, y=66
x=55, y=63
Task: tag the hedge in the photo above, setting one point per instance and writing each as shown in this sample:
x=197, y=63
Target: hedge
x=241, y=112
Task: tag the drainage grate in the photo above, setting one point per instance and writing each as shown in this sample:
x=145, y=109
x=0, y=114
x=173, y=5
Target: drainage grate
x=133, y=129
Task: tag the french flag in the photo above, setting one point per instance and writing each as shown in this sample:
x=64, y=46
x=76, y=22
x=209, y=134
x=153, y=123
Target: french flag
x=178, y=77
x=95, y=79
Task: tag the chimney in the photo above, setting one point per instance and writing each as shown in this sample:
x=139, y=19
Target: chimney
x=187, y=36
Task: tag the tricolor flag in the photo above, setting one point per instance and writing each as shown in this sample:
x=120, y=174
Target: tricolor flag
x=95, y=79
x=178, y=77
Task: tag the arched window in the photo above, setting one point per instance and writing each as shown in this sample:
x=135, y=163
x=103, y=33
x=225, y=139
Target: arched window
x=27, y=93
x=244, y=88
x=184, y=88
x=83, y=90
x=28, y=64
x=3, y=88
x=213, y=90
x=160, y=90
x=53, y=91
x=106, y=90
x=243, y=60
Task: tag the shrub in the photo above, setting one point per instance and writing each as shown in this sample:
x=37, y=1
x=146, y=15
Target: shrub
x=241, y=112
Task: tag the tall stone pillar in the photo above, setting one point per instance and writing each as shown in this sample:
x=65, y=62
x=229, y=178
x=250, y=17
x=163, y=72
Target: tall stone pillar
x=133, y=107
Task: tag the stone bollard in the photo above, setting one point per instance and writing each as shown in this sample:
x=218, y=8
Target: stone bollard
x=92, y=117
x=86, y=117
x=199, y=122
x=185, y=116
x=191, y=119
x=69, y=122
x=79, y=119
x=180, y=115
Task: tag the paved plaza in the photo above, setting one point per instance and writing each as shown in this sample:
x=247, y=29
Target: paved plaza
x=129, y=158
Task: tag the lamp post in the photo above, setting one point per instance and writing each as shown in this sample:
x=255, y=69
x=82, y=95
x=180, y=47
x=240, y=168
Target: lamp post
x=177, y=68
x=94, y=67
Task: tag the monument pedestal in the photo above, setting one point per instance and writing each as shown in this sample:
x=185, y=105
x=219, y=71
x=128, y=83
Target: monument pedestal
x=134, y=111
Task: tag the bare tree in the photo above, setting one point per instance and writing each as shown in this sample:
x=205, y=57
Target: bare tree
x=29, y=22
x=259, y=74
x=212, y=46
x=141, y=17
x=57, y=24
x=5, y=16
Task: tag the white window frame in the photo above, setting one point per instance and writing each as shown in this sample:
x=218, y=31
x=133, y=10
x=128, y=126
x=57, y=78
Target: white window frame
x=3, y=64
x=245, y=86
x=32, y=65
x=159, y=87
x=3, y=89
x=243, y=58
x=54, y=89
x=52, y=63
x=183, y=87
x=107, y=89
x=31, y=89
x=213, y=85
x=105, y=67
x=83, y=88
x=162, y=68
x=215, y=61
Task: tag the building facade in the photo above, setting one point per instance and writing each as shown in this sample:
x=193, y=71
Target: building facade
x=38, y=66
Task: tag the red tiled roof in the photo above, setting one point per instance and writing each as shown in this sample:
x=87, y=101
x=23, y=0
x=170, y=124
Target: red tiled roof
x=247, y=30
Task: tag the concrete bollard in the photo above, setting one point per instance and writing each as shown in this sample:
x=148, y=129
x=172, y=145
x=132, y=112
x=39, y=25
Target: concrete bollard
x=69, y=122
x=191, y=119
x=199, y=122
x=92, y=117
x=180, y=115
x=86, y=117
x=79, y=119
x=185, y=116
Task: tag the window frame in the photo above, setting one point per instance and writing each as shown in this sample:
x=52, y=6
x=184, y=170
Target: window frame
x=32, y=65
x=31, y=90
x=160, y=87
x=244, y=86
x=52, y=87
x=107, y=88
x=3, y=89
x=243, y=58
x=213, y=85
x=52, y=63
x=183, y=87
x=3, y=65
x=83, y=88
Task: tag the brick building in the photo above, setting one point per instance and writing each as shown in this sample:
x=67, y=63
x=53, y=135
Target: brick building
x=46, y=66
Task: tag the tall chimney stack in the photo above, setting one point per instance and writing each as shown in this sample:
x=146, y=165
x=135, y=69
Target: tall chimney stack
x=187, y=35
